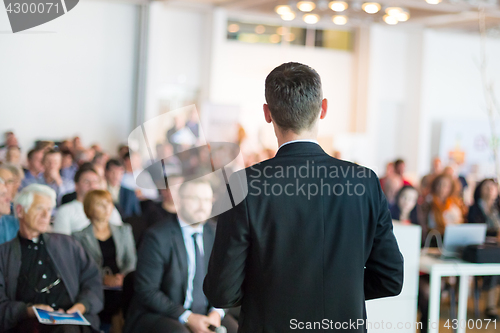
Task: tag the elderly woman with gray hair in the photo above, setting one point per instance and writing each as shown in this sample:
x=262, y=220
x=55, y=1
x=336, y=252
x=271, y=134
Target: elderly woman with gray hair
x=47, y=271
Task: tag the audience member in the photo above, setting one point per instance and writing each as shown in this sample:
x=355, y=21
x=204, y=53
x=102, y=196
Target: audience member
x=436, y=170
x=391, y=186
x=51, y=175
x=18, y=176
x=143, y=191
x=35, y=167
x=9, y=180
x=407, y=210
x=399, y=169
x=445, y=207
x=71, y=216
x=112, y=248
x=10, y=141
x=49, y=271
x=486, y=209
x=9, y=225
x=165, y=209
x=13, y=156
x=68, y=167
x=124, y=199
x=173, y=253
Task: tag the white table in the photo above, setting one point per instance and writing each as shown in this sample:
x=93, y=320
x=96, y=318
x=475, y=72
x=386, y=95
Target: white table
x=438, y=268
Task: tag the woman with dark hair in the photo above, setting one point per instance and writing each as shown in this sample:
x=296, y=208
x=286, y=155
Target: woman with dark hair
x=406, y=208
x=486, y=209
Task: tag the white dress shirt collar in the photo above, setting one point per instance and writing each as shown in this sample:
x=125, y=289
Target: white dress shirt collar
x=302, y=140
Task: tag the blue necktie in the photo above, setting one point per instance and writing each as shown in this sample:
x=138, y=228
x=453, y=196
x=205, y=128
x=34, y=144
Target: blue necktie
x=199, y=304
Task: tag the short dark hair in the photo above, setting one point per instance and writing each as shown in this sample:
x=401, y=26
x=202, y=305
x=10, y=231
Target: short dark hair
x=398, y=162
x=85, y=167
x=33, y=152
x=51, y=152
x=113, y=163
x=294, y=96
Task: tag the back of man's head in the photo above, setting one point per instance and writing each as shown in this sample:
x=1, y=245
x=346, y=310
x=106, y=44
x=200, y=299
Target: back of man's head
x=294, y=96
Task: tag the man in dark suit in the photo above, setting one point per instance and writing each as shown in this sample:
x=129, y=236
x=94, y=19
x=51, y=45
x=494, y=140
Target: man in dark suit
x=313, y=238
x=171, y=266
x=124, y=199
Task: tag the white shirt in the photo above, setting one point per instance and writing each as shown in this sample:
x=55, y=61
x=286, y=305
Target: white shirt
x=187, y=234
x=303, y=140
x=71, y=217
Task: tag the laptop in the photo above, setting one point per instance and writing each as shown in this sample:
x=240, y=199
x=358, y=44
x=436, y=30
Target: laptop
x=458, y=236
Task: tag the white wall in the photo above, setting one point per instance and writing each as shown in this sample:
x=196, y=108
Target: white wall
x=177, y=59
x=73, y=75
x=451, y=84
x=239, y=70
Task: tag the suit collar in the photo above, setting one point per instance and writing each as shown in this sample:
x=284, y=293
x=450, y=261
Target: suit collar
x=300, y=148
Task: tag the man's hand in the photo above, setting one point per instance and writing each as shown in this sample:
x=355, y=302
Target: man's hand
x=111, y=280
x=77, y=307
x=31, y=312
x=214, y=318
x=198, y=323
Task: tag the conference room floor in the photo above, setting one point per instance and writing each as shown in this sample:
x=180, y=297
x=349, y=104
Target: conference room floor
x=445, y=315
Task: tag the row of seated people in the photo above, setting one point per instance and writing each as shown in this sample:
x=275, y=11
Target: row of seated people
x=86, y=272
x=443, y=207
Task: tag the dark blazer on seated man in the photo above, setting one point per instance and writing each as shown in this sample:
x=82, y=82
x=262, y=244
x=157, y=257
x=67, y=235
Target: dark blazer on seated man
x=162, y=281
x=128, y=204
x=312, y=239
x=79, y=276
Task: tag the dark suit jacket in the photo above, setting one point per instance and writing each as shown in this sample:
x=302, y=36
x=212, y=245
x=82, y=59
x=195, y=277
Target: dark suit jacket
x=299, y=256
x=68, y=198
x=161, y=277
x=78, y=271
x=128, y=204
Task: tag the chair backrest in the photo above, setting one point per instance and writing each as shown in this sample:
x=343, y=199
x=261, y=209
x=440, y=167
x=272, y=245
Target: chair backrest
x=128, y=292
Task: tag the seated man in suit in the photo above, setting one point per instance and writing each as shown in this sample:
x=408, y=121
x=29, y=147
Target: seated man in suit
x=48, y=271
x=171, y=266
x=124, y=199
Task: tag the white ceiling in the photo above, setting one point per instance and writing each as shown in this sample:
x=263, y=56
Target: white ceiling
x=449, y=14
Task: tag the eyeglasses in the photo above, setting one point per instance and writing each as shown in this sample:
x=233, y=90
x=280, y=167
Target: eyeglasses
x=47, y=289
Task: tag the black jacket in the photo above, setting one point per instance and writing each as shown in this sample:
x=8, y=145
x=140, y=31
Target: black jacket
x=299, y=255
x=161, y=277
x=78, y=271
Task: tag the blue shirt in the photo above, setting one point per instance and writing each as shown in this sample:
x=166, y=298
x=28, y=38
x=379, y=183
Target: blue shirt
x=28, y=179
x=9, y=226
x=187, y=234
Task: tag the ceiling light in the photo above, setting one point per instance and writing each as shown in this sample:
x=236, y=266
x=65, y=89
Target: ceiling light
x=393, y=11
x=282, y=31
x=338, y=6
x=233, y=28
x=390, y=20
x=306, y=6
x=282, y=9
x=275, y=38
x=260, y=29
x=339, y=19
x=290, y=37
x=310, y=18
x=288, y=16
x=433, y=2
x=371, y=7
x=403, y=16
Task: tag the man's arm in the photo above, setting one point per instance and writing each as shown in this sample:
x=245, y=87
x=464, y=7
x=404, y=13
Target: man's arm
x=149, y=275
x=226, y=269
x=384, y=267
